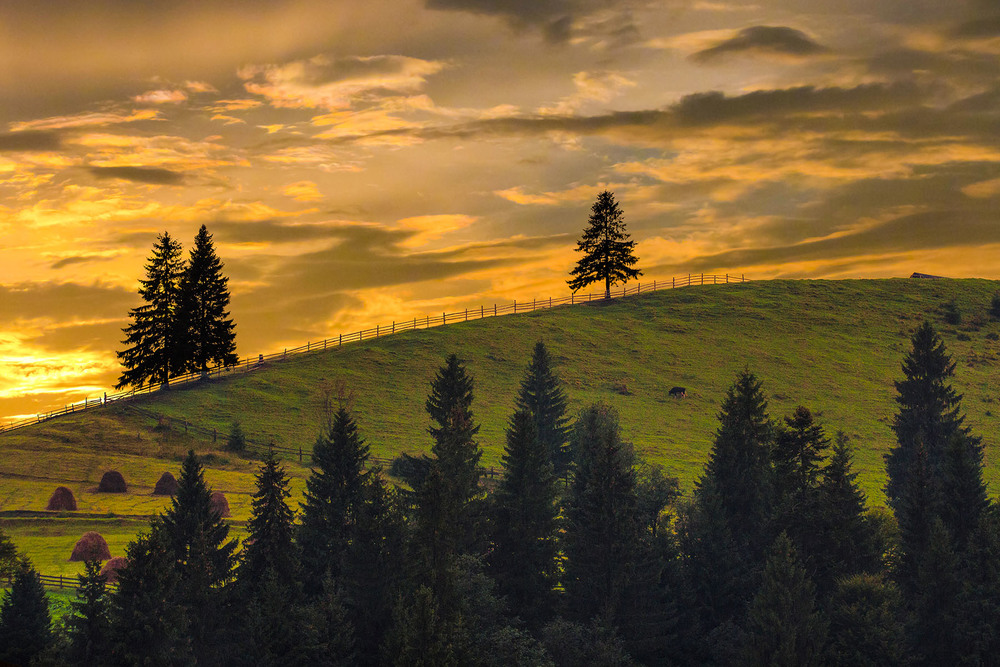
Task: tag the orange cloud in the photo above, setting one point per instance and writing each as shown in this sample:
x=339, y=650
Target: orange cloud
x=431, y=227
x=161, y=97
x=94, y=119
x=302, y=191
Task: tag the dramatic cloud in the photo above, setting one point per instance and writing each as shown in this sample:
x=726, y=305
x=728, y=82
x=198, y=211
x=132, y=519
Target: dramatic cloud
x=151, y=175
x=29, y=141
x=334, y=83
x=442, y=153
x=762, y=40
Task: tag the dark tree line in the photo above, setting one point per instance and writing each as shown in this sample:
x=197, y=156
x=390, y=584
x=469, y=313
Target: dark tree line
x=580, y=555
x=183, y=325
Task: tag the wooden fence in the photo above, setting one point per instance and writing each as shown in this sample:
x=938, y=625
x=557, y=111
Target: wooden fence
x=59, y=581
x=397, y=326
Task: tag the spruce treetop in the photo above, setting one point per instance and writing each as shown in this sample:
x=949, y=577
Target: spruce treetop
x=542, y=396
x=451, y=391
x=608, y=251
x=206, y=330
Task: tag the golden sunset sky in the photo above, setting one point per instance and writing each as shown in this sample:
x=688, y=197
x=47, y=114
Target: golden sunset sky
x=362, y=162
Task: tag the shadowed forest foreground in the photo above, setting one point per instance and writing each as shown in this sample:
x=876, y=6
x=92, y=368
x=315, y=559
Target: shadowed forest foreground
x=580, y=554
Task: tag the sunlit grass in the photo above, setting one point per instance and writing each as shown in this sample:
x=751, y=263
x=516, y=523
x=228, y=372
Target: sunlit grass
x=833, y=346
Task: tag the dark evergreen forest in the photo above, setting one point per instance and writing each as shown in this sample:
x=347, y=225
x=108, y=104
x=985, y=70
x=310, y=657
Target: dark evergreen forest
x=578, y=554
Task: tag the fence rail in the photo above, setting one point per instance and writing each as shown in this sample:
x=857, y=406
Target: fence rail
x=396, y=326
x=59, y=581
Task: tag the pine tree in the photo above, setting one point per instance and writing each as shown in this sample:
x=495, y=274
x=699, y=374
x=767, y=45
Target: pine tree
x=420, y=636
x=603, y=534
x=269, y=547
x=451, y=390
x=334, y=491
x=738, y=465
x=449, y=500
x=206, y=331
x=523, y=554
x=784, y=628
x=148, y=625
x=9, y=560
x=844, y=541
x=25, y=623
x=542, y=396
x=203, y=557
x=797, y=454
x=609, y=252
x=152, y=353
x=930, y=417
x=89, y=623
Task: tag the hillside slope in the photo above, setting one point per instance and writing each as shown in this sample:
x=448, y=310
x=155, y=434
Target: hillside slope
x=834, y=346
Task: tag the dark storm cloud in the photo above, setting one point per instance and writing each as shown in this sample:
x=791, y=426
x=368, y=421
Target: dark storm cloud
x=150, y=175
x=62, y=301
x=763, y=40
x=919, y=231
x=29, y=141
x=555, y=18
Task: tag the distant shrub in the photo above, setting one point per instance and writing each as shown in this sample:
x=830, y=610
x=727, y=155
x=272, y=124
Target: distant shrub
x=62, y=500
x=91, y=546
x=237, y=441
x=963, y=336
x=951, y=313
x=112, y=482
x=219, y=504
x=995, y=306
x=166, y=485
x=992, y=336
x=112, y=568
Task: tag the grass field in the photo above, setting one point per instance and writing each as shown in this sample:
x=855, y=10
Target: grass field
x=834, y=346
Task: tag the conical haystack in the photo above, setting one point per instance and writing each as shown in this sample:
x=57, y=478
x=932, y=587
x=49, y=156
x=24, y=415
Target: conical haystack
x=91, y=547
x=112, y=482
x=62, y=500
x=166, y=485
x=220, y=504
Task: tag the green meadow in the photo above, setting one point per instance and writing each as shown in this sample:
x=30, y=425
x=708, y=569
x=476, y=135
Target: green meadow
x=833, y=346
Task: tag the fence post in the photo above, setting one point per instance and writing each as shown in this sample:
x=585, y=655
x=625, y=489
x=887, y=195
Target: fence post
x=703, y=279
x=482, y=310
x=572, y=295
x=340, y=341
x=532, y=304
x=550, y=302
x=466, y=314
x=300, y=453
x=515, y=306
x=394, y=326
x=376, y=330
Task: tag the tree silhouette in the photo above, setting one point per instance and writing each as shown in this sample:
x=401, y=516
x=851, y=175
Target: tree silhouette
x=542, y=396
x=608, y=251
x=152, y=352
x=206, y=331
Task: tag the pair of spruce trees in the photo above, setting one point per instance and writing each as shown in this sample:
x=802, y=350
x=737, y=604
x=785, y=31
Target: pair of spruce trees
x=183, y=325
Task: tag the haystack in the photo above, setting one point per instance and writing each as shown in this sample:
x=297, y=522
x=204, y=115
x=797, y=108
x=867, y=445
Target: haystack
x=112, y=482
x=166, y=485
x=220, y=504
x=91, y=547
x=112, y=567
x=62, y=500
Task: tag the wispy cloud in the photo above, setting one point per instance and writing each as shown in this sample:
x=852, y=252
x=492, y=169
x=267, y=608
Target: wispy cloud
x=90, y=119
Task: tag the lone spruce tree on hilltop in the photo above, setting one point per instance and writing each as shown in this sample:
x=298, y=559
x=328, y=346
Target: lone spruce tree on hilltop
x=206, y=331
x=609, y=253
x=152, y=352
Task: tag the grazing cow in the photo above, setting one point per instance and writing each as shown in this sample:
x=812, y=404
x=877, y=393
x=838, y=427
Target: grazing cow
x=678, y=392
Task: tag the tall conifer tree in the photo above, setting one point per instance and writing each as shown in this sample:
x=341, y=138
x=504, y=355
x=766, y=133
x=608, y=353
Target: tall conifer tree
x=930, y=418
x=609, y=253
x=739, y=466
x=269, y=547
x=153, y=353
x=206, y=332
x=542, y=396
x=334, y=492
x=25, y=623
x=524, y=550
x=203, y=556
x=603, y=533
x=449, y=502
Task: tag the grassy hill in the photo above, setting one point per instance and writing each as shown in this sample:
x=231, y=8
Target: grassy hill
x=833, y=346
